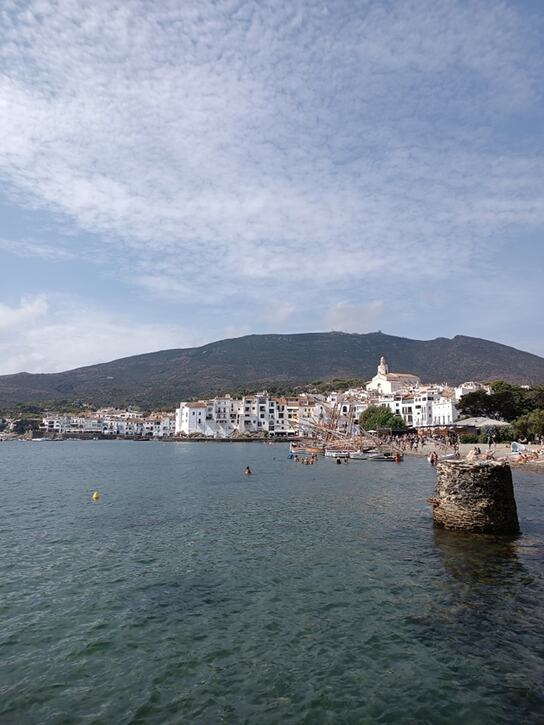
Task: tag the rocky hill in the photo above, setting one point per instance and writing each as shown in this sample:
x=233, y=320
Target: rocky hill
x=164, y=378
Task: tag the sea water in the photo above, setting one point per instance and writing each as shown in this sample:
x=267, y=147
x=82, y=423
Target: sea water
x=190, y=593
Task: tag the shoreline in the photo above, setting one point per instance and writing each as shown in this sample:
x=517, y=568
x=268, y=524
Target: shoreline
x=136, y=439
x=501, y=450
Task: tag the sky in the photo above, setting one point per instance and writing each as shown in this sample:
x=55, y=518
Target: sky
x=173, y=173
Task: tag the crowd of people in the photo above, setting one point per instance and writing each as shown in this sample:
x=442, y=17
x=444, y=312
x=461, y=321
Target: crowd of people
x=416, y=442
x=306, y=460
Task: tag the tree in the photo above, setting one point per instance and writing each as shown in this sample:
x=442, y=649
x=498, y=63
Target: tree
x=506, y=401
x=509, y=401
x=535, y=397
x=530, y=424
x=25, y=424
x=379, y=416
x=476, y=404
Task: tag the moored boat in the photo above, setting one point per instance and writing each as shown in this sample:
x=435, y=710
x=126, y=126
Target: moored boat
x=385, y=456
x=313, y=449
x=337, y=453
x=358, y=455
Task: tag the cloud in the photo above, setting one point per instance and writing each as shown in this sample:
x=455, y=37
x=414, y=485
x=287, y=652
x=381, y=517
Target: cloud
x=257, y=162
x=346, y=317
x=30, y=249
x=43, y=335
x=292, y=144
x=279, y=313
x=28, y=311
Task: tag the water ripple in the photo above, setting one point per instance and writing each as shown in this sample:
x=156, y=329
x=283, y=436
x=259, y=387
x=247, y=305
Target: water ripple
x=305, y=595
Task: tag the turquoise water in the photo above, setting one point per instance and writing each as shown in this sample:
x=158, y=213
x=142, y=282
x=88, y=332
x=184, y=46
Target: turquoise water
x=305, y=594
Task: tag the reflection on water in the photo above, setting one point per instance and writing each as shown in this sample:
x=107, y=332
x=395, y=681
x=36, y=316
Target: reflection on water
x=311, y=594
x=488, y=604
x=485, y=580
x=481, y=561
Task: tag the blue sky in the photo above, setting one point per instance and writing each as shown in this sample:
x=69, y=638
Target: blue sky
x=177, y=172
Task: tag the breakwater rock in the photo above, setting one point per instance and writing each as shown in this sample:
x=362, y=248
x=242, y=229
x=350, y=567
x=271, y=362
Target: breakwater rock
x=476, y=497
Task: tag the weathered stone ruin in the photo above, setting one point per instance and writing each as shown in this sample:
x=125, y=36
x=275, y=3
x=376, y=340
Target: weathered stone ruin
x=476, y=497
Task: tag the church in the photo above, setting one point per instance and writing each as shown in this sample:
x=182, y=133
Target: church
x=385, y=382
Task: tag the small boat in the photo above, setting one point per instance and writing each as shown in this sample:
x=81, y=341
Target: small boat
x=313, y=449
x=443, y=457
x=384, y=457
x=340, y=453
x=359, y=455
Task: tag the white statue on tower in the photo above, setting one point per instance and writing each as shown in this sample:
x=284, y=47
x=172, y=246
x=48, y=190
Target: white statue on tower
x=383, y=367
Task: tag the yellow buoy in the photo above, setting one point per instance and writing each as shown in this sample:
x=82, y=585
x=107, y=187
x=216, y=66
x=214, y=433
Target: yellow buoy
x=95, y=496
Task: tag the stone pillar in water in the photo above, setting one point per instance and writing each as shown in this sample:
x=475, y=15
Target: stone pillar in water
x=477, y=497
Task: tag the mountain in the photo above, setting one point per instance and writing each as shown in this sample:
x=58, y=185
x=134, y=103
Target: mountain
x=253, y=361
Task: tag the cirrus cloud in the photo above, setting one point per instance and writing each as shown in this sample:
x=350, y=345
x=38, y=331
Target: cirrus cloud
x=301, y=149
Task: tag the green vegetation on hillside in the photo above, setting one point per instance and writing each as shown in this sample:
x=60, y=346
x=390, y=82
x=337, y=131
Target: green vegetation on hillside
x=32, y=408
x=280, y=363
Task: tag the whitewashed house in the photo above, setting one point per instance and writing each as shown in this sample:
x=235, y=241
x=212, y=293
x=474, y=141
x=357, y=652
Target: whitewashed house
x=469, y=387
x=423, y=406
x=191, y=418
x=444, y=411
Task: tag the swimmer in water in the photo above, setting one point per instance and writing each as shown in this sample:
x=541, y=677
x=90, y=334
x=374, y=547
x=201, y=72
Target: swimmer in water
x=248, y=472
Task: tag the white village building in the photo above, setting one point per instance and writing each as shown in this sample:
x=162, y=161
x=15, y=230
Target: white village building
x=424, y=399
x=470, y=387
x=444, y=411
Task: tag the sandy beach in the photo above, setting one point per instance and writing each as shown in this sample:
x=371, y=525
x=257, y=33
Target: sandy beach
x=502, y=451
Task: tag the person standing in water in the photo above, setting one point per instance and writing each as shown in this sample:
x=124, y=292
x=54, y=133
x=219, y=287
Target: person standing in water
x=248, y=471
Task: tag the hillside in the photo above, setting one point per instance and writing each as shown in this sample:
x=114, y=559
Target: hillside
x=168, y=376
